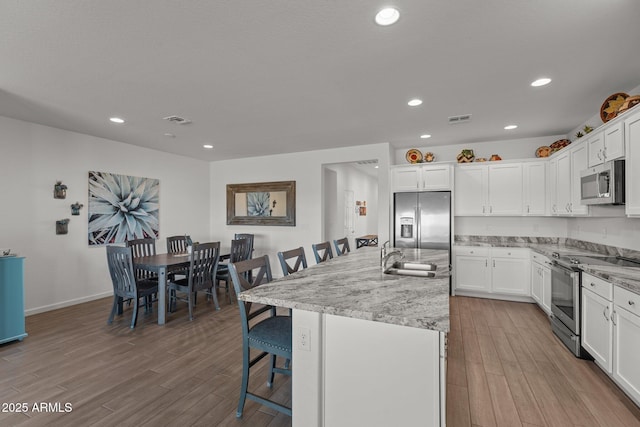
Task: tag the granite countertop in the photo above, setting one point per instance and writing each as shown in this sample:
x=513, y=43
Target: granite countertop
x=625, y=277
x=354, y=286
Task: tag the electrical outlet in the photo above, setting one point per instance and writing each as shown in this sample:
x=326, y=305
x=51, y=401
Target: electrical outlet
x=304, y=335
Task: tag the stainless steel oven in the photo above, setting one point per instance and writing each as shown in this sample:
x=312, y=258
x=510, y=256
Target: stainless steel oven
x=565, y=305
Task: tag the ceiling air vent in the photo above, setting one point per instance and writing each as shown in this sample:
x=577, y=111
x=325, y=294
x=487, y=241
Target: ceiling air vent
x=177, y=119
x=367, y=162
x=454, y=120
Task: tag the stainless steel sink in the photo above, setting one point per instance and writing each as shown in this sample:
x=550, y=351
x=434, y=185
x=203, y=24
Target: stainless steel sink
x=416, y=269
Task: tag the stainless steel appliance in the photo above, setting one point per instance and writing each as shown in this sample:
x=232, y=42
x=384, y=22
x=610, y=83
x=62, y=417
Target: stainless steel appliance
x=423, y=220
x=566, y=294
x=603, y=184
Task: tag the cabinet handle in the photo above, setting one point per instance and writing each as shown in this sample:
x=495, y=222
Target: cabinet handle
x=483, y=209
x=604, y=154
x=613, y=320
x=604, y=313
x=486, y=263
x=567, y=208
x=494, y=264
x=528, y=209
x=592, y=284
x=570, y=207
x=490, y=209
x=632, y=303
x=599, y=154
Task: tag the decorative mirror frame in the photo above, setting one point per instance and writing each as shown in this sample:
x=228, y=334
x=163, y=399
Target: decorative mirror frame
x=289, y=219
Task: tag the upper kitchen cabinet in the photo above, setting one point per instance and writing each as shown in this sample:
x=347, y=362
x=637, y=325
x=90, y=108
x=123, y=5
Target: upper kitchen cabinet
x=421, y=177
x=606, y=145
x=632, y=169
x=579, y=162
x=494, y=189
x=534, y=176
x=565, y=169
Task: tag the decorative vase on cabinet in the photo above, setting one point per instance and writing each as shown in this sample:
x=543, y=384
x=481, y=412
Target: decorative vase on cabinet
x=12, y=299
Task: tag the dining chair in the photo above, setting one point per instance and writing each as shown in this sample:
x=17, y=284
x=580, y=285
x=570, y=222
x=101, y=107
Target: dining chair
x=342, y=246
x=322, y=251
x=298, y=257
x=177, y=245
x=249, y=238
x=237, y=253
x=125, y=284
x=202, y=271
x=270, y=335
x=141, y=248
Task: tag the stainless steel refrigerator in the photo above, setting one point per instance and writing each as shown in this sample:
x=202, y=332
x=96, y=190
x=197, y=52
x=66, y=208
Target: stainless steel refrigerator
x=423, y=220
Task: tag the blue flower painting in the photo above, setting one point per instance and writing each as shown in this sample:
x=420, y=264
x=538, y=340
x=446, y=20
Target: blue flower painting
x=122, y=208
x=258, y=204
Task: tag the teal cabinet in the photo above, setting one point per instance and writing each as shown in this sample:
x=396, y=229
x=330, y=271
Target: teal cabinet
x=12, y=299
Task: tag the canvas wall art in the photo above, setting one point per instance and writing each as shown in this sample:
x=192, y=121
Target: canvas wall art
x=269, y=203
x=122, y=208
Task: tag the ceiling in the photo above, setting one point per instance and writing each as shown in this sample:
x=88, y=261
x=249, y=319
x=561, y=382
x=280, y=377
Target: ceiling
x=267, y=77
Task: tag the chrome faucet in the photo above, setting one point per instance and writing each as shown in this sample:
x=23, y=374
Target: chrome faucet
x=383, y=250
x=387, y=257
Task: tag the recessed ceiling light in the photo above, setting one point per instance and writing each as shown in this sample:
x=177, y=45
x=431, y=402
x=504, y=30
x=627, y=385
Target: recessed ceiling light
x=414, y=102
x=376, y=167
x=541, y=82
x=387, y=16
x=510, y=127
x=208, y=146
x=425, y=136
x=116, y=120
x=169, y=135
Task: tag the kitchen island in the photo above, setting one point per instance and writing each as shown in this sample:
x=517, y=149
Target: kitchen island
x=368, y=348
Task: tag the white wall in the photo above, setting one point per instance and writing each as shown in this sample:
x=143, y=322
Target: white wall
x=511, y=226
x=513, y=149
x=620, y=232
x=306, y=169
x=62, y=270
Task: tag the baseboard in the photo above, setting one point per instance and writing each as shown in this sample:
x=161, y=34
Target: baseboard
x=504, y=297
x=67, y=303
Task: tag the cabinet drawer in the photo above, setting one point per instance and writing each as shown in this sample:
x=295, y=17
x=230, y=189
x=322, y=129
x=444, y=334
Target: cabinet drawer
x=510, y=253
x=539, y=258
x=598, y=286
x=472, y=250
x=627, y=300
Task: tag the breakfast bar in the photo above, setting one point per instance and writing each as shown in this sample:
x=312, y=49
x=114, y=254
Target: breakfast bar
x=368, y=347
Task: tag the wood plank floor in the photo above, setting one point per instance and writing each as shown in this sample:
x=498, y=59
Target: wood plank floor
x=505, y=368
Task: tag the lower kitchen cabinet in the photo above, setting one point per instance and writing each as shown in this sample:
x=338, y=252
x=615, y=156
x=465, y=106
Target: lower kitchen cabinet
x=541, y=281
x=499, y=271
x=626, y=342
x=597, y=328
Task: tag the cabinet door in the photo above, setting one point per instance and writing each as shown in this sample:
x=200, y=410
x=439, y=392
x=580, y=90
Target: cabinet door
x=505, y=189
x=632, y=167
x=436, y=177
x=578, y=164
x=552, y=186
x=510, y=276
x=470, y=190
x=626, y=347
x=597, y=328
x=406, y=178
x=472, y=273
x=546, y=289
x=535, y=188
x=536, y=283
x=614, y=142
x=595, y=148
x=563, y=184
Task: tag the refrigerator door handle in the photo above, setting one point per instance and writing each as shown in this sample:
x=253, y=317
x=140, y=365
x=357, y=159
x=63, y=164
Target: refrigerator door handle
x=418, y=225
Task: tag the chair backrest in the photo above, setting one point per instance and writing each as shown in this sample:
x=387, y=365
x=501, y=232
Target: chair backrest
x=177, y=244
x=250, y=238
x=322, y=251
x=342, y=246
x=239, y=250
x=300, y=260
x=203, y=265
x=247, y=275
x=120, y=261
x=140, y=248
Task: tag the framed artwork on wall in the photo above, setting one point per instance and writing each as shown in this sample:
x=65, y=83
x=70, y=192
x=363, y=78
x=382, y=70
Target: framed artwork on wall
x=268, y=203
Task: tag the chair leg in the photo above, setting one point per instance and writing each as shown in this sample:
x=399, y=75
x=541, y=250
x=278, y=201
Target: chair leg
x=271, y=371
x=134, y=317
x=212, y=290
x=114, y=309
x=191, y=298
x=245, y=379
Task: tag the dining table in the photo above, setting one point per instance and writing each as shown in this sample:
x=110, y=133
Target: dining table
x=163, y=264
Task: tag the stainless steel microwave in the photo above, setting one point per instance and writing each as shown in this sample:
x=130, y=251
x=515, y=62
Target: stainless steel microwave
x=603, y=184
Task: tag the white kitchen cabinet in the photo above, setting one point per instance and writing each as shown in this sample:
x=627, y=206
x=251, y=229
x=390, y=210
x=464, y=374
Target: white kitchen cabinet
x=421, y=177
x=606, y=145
x=579, y=162
x=563, y=184
x=626, y=342
x=632, y=164
x=501, y=271
x=597, y=327
x=509, y=274
x=534, y=176
x=567, y=167
x=494, y=189
x=552, y=188
x=541, y=281
x=471, y=269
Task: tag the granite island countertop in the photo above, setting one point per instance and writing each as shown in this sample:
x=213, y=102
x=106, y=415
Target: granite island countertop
x=625, y=277
x=354, y=286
